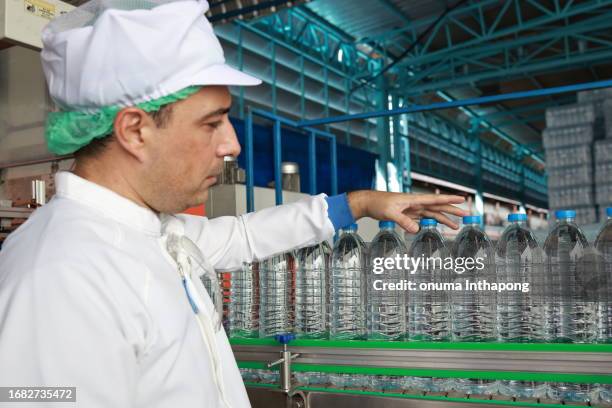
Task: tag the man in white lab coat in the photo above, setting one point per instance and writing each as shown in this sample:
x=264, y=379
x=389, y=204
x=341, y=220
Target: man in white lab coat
x=98, y=289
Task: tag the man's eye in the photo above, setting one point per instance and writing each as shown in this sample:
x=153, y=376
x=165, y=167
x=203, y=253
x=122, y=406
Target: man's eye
x=213, y=125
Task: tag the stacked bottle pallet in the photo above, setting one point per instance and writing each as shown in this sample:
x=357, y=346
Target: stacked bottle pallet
x=602, y=101
x=603, y=174
x=568, y=140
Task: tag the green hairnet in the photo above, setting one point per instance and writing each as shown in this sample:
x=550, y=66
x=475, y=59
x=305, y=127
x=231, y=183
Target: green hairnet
x=68, y=131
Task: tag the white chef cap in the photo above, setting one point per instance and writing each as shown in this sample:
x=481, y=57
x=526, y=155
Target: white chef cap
x=109, y=54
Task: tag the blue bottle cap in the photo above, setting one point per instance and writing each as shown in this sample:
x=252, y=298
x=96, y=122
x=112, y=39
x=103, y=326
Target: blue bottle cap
x=353, y=227
x=284, y=338
x=428, y=222
x=472, y=219
x=514, y=217
x=609, y=211
x=564, y=214
x=386, y=224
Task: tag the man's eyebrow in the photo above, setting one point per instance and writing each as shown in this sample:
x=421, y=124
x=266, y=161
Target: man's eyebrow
x=218, y=112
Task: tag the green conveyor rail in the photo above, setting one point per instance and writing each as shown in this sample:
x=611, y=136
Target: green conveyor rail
x=406, y=345
x=439, y=373
x=437, y=398
x=260, y=385
x=413, y=396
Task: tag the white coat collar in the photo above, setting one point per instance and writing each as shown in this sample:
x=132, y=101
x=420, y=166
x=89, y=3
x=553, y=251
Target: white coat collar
x=113, y=205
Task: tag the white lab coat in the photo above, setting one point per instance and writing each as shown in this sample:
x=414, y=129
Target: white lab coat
x=90, y=298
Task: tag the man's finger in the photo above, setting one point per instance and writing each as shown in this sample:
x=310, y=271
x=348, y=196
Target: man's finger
x=408, y=224
x=441, y=218
x=433, y=199
x=449, y=209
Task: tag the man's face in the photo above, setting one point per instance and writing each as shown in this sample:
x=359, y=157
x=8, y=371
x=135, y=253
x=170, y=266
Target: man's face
x=186, y=155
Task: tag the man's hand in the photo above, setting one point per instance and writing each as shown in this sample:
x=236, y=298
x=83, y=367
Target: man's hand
x=405, y=208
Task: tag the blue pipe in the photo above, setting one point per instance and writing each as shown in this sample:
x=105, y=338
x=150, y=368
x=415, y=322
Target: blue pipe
x=250, y=176
x=405, y=143
x=456, y=104
x=278, y=183
x=334, y=167
x=278, y=122
x=290, y=123
x=312, y=162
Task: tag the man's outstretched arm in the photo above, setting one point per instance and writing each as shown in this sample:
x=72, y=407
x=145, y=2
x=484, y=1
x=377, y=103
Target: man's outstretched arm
x=227, y=242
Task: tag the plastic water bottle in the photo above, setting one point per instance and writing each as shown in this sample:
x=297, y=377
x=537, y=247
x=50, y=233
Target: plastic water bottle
x=520, y=316
x=386, y=308
x=473, y=311
x=572, y=392
x=568, y=317
x=604, y=392
x=244, y=301
x=347, y=286
x=311, y=276
x=603, y=246
x=429, y=311
x=277, y=298
x=523, y=389
x=518, y=259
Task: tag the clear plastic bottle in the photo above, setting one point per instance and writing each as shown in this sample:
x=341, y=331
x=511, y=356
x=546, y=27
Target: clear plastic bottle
x=603, y=247
x=604, y=392
x=520, y=316
x=523, y=389
x=568, y=317
x=572, y=392
x=429, y=311
x=347, y=286
x=311, y=293
x=473, y=312
x=518, y=258
x=277, y=296
x=244, y=301
x=386, y=308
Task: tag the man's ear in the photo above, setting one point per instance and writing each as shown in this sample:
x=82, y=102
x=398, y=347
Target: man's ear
x=133, y=129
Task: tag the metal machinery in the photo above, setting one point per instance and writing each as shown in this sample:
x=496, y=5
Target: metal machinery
x=584, y=363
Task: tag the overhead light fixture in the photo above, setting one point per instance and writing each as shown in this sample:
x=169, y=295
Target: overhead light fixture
x=224, y=11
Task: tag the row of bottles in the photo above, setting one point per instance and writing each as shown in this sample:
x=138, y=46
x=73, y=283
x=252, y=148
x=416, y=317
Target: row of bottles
x=320, y=292
x=452, y=387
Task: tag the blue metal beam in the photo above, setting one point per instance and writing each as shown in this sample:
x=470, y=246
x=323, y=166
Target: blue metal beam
x=487, y=31
x=435, y=149
x=449, y=73
x=316, y=37
x=463, y=103
x=250, y=172
x=487, y=124
x=460, y=103
x=515, y=56
x=312, y=163
x=478, y=169
x=278, y=122
x=281, y=41
x=442, y=155
x=528, y=108
x=278, y=181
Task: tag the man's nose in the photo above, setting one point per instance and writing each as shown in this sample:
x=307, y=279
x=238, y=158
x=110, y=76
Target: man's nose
x=230, y=145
